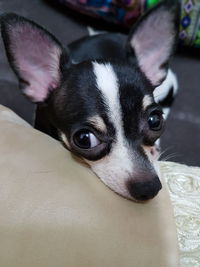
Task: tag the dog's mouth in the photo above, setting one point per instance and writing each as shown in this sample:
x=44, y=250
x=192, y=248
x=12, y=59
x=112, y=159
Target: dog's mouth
x=139, y=190
x=129, y=173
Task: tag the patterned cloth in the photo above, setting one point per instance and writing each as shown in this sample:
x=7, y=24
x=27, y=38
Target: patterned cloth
x=126, y=12
x=190, y=23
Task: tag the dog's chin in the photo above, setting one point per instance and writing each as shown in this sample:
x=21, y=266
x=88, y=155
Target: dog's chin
x=128, y=197
x=121, y=189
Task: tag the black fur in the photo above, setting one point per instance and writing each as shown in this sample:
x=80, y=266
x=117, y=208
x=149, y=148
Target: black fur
x=76, y=99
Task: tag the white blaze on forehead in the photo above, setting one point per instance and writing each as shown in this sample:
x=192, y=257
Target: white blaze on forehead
x=107, y=83
x=118, y=166
x=147, y=101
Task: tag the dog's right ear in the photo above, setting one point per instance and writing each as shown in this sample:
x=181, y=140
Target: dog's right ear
x=34, y=54
x=153, y=38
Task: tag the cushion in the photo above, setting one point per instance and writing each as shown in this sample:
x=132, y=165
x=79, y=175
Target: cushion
x=56, y=212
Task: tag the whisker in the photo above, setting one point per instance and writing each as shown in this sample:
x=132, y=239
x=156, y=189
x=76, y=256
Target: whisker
x=164, y=151
x=171, y=156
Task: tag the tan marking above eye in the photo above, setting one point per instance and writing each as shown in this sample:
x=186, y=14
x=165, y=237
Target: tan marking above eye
x=98, y=123
x=146, y=102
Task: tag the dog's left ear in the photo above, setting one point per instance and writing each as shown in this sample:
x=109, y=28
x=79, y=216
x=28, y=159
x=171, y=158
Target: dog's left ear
x=152, y=40
x=34, y=54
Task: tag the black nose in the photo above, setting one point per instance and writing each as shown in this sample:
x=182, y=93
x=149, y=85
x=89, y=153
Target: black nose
x=144, y=189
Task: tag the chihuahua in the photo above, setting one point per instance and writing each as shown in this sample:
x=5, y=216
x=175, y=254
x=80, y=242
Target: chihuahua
x=98, y=94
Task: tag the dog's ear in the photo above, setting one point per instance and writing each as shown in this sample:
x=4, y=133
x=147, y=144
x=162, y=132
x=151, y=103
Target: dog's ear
x=153, y=38
x=34, y=54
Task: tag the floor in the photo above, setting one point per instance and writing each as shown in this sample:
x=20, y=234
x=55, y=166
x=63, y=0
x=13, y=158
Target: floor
x=181, y=140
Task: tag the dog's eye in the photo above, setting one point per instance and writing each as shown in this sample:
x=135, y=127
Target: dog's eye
x=85, y=139
x=155, y=121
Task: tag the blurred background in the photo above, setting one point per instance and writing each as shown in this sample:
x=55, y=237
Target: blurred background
x=181, y=140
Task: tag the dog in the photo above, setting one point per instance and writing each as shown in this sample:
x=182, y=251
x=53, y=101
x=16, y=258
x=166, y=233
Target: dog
x=98, y=94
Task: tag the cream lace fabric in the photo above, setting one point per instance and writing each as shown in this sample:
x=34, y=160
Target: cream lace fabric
x=184, y=187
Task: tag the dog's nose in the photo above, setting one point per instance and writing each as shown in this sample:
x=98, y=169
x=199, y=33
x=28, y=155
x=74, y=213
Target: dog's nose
x=144, y=190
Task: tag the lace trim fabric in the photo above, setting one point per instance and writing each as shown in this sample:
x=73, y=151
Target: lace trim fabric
x=184, y=187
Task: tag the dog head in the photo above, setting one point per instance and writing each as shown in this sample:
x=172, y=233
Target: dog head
x=104, y=111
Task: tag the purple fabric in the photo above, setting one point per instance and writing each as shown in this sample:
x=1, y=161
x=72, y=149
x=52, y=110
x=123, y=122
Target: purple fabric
x=123, y=12
x=126, y=12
